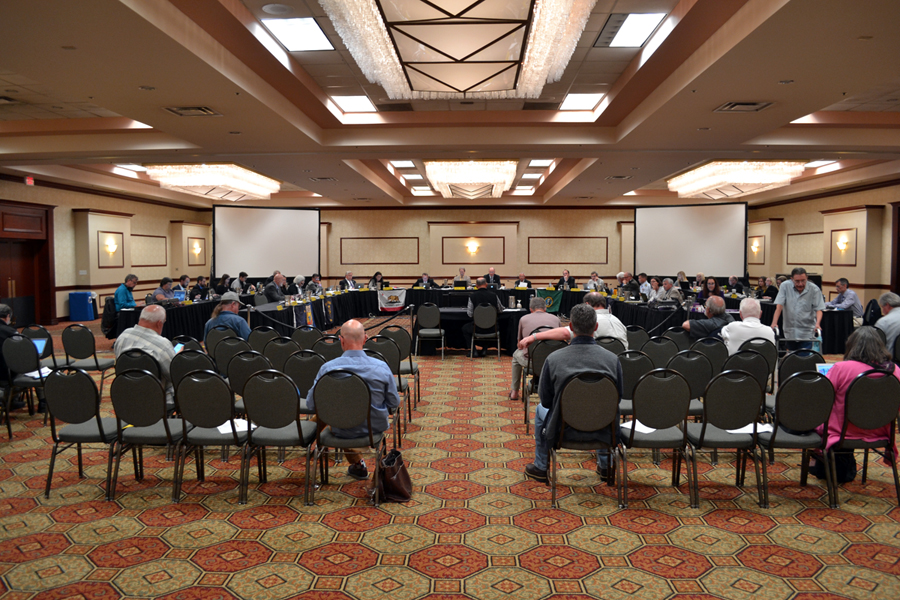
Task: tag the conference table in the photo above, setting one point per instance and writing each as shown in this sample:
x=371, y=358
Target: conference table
x=454, y=317
x=181, y=319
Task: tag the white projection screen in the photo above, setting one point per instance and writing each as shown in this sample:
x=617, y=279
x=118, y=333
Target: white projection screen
x=704, y=238
x=259, y=240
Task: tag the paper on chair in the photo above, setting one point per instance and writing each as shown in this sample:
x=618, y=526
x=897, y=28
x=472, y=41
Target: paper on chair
x=239, y=426
x=638, y=427
x=760, y=428
x=37, y=374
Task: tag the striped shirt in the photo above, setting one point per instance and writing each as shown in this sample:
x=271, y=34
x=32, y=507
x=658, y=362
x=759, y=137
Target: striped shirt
x=155, y=345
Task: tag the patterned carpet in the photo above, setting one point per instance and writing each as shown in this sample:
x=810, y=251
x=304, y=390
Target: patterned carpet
x=476, y=527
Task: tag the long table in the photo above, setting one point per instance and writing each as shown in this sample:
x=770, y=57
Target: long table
x=184, y=319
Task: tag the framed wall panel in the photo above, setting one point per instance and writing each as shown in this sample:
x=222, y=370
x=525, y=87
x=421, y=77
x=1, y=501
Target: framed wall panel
x=379, y=251
x=568, y=250
x=107, y=240
x=846, y=257
x=805, y=248
x=758, y=257
x=149, y=250
x=195, y=258
x=491, y=251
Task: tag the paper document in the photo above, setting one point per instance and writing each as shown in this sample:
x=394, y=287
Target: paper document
x=760, y=428
x=37, y=375
x=638, y=427
x=239, y=426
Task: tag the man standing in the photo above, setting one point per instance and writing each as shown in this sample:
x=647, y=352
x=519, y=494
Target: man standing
x=803, y=304
x=847, y=300
x=226, y=313
x=481, y=295
x=644, y=287
x=595, y=284
x=382, y=391
x=425, y=282
x=348, y=283
x=890, y=322
x=670, y=292
x=735, y=286
x=147, y=336
x=716, y=319
x=538, y=318
x=583, y=355
x=123, y=296
x=491, y=278
x=521, y=282
x=275, y=289
x=737, y=332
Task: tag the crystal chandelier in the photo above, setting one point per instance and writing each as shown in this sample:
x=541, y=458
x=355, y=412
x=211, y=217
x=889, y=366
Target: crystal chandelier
x=730, y=178
x=444, y=49
x=471, y=179
x=224, y=181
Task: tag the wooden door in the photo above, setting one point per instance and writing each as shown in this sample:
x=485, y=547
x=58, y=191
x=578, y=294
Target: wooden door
x=18, y=278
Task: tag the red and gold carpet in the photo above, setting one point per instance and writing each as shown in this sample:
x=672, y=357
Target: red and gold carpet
x=476, y=527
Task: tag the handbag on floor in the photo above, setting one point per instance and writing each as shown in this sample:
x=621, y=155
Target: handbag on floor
x=844, y=463
x=394, y=485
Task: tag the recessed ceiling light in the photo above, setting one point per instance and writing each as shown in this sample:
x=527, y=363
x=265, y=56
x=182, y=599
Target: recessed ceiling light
x=580, y=101
x=298, y=35
x=524, y=187
x=146, y=88
x=354, y=104
x=277, y=9
x=531, y=176
x=403, y=164
x=786, y=82
x=132, y=167
x=541, y=162
x=817, y=163
x=636, y=29
x=412, y=177
x=421, y=188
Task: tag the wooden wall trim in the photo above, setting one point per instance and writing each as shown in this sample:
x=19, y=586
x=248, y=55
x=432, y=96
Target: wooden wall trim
x=568, y=237
x=750, y=252
x=101, y=245
x=430, y=223
x=829, y=194
x=832, y=246
x=833, y=211
x=97, y=211
x=788, y=250
x=415, y=262
x=466, y=237
x=192, y=223
x=765, y=220
x=166, y=263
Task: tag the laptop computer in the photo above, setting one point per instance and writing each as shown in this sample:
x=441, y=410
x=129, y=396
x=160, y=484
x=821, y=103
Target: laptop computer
x=179, y=295
x=40, y=344
x=824, y=368
x=684, y=285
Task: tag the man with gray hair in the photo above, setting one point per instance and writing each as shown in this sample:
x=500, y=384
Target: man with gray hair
x=736, y=333
x=147, y=336
x=348, y=283
x=847, y=300
x=583, y=355
x=890, y=322
x=608, y=325
x=802, y=303
x=595, y=284
x=670, y=292
x=716, y=319
x=539, y=317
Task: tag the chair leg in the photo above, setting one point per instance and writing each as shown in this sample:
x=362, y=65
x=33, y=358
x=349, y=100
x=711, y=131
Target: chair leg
x=442, y=347
x=552, y=474
x=110, y=485
x=80, y=462
x=262, y=471
x=762, y=485
x=306, y=476
x=243, y=481
x=865, y=465
x=113, y=480
x=138, y=471
x=695, y=501
x=623, y=500
x=676, y=468
x=201, y=463
x=889, y=451
x=50, y=469
x=527, y=398
x=832, y=468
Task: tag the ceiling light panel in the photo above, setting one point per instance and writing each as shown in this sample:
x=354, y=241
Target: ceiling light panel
x=636, y=30
x=580, y=101
x=403, y=164
x=298, y=35
x=354, y=104
x=540, y=162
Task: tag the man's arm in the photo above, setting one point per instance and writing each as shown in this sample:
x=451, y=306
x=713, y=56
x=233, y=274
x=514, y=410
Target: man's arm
x=545, y=387
x=686, y=325
x=391, y=398
x=243, y=328
x=470, y=308
x=819, y=320
x=777, y=314
x=561, y=334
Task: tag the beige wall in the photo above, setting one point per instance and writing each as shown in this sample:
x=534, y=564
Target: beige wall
x=148, y=220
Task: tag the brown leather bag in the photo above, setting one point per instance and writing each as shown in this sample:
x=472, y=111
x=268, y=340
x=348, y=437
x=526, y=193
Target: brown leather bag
x=394, y=485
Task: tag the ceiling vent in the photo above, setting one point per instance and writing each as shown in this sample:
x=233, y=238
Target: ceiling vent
x=323, y=179
x=618, y=177
x=361, y=199
x=541, y=106
x=192, y=111
x=8, y=100
x=610, y=29
x=743, y=107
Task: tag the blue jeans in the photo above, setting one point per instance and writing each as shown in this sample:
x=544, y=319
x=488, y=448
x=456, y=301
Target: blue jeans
x=541, y=449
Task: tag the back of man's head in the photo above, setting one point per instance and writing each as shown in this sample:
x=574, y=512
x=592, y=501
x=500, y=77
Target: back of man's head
x=715, y=306
x=481, y=282
x=889, y=299
x=537, y=304
x=353, y=335
x=595, y=300
x=750, y=308
x=583, y=320
x=151, y=315
x=5, y=311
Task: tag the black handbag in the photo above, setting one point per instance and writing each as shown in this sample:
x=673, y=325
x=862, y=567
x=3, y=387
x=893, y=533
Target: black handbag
x=394, y=485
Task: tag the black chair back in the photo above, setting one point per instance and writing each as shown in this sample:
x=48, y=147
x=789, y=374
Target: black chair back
x=873, y=400
x=767, y=349
x=302, y=367
x=695, y=368
x=635, y=364
x=388, y=349
x=752, y=362
x=678, y=335
x=187, y=361
x=428, y=316
x=279, y=349
x=242, y=366
x=660, y=350
x=21, y=355
x=204, y=399
x=215, y=335
x=138, y=398
x=78, y=341
x=612, y=344
x=139, y=360
x=401, y=337
x=72, y=396
x=637, y=336
x=732, y=400
x=306, y=336
x=485, y=316
x=271, y=400
x=588, y=402
x=715, y=350
x=343, y=400
x=189, y=342
x=799, y=361
x=260, y=336
x=661, y=399
x=329, y=347
x=38, y=332
x=226, y=349
x=804, y=401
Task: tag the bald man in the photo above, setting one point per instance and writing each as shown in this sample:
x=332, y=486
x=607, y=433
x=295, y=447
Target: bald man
x=147, y=336
x=382, y=388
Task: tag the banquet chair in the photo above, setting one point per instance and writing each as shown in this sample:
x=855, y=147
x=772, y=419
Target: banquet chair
x=260, y=336
x=635, y=364
x=242, y=366
x=329, y=347
x=769, y=352
x=226, y=349
x=715, y=350
x=407, y=365
x=612, y=344
x=187, y=361
x=278, y=350
x=697, y=371
x=660, y=350
x=306, y=336
x=678, y=335
x=428, y=325
x=215, y=335
x=302, y=367
x=81, y=352
x=537, y=355
x=48, y=358
x=189, y=342
x=485, y=318
x=637, y=336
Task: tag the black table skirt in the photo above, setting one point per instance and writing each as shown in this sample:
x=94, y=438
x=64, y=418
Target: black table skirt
x=324, y=313
x=452, y=321
x=180, y=320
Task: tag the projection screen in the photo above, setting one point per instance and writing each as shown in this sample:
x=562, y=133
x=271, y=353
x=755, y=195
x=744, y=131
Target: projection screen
x=706, y=238
x=259, y=240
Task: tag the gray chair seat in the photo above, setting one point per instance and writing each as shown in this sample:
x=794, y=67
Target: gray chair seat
x=60, y=362
x=790, y=440
x=285, y=436
x=695, y=409
x=770, y=403
x=718, y=438
x=26, y=382
x=329, y=440
x=403, y=384
x=89, y=364
x=485, y=336
x=405, y=369
x=661, y=438
x=860, y=444
x=89, y=431
x=626, y=408
x=431, y=332
x=153, y=435
x=210, y=436
x=304, y=408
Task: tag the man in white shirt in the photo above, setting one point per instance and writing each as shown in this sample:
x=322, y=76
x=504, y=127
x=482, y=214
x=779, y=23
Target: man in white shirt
x=608, y=325
x=595, y=284
x=749, y=327
x=645, y=285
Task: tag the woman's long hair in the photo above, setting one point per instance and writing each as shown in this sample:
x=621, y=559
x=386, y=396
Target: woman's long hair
x=866, y=346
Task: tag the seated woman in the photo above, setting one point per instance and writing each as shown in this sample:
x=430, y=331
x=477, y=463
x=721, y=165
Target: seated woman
x=680, y=278
x=865, y=351
x=164, y=291
x=296, y=288
x=377, y=281
x=223, y=285
x=655, y=289
x=766, y=289
x=710, y=288
x=699, y=280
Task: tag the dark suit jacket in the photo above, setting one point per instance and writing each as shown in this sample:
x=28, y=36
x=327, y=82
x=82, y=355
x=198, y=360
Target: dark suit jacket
x=562, y=282
x=345, y=284
x=431, y=283
x=495, y=280
x=274, y=293
x=199, y=293
x=517, y=283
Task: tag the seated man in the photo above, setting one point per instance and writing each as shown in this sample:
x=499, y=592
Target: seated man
x=736, y=333
x=382, y=389
x=201, y=290
x=630, y=287
x=716, y=319
x=847, y=300
x=275, y=289
x=735, y=286
x=241, y=285
x=890, y=322
x=670, y=292
x=183, y=285
x=147, y=336
x=8, y=331
x=482, y=295
x=164, y=291
x=425, y=282
x=462, y=279
x=583, y=355
x=521, y=282
x=537, y=318
x=124, y=297
x=644, y=286
x=565, y=282
x=492, y=278
x=608, y=325
x=314, y=286
x=226, y=313
x=348, y=283
x=595, y=284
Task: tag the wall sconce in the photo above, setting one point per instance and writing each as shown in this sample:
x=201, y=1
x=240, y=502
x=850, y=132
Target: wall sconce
x=842, y=244
x=755, y=246
x=111, y=246
x=472, y=246
x=196, y=249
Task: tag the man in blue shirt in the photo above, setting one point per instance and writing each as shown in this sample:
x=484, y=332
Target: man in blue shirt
x=226, y=313
x=123, y=295
x=847, y=300
x=382, y=388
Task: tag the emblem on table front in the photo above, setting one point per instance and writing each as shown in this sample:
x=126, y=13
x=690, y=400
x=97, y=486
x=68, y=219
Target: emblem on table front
x=393, y=299
x=548, y=301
